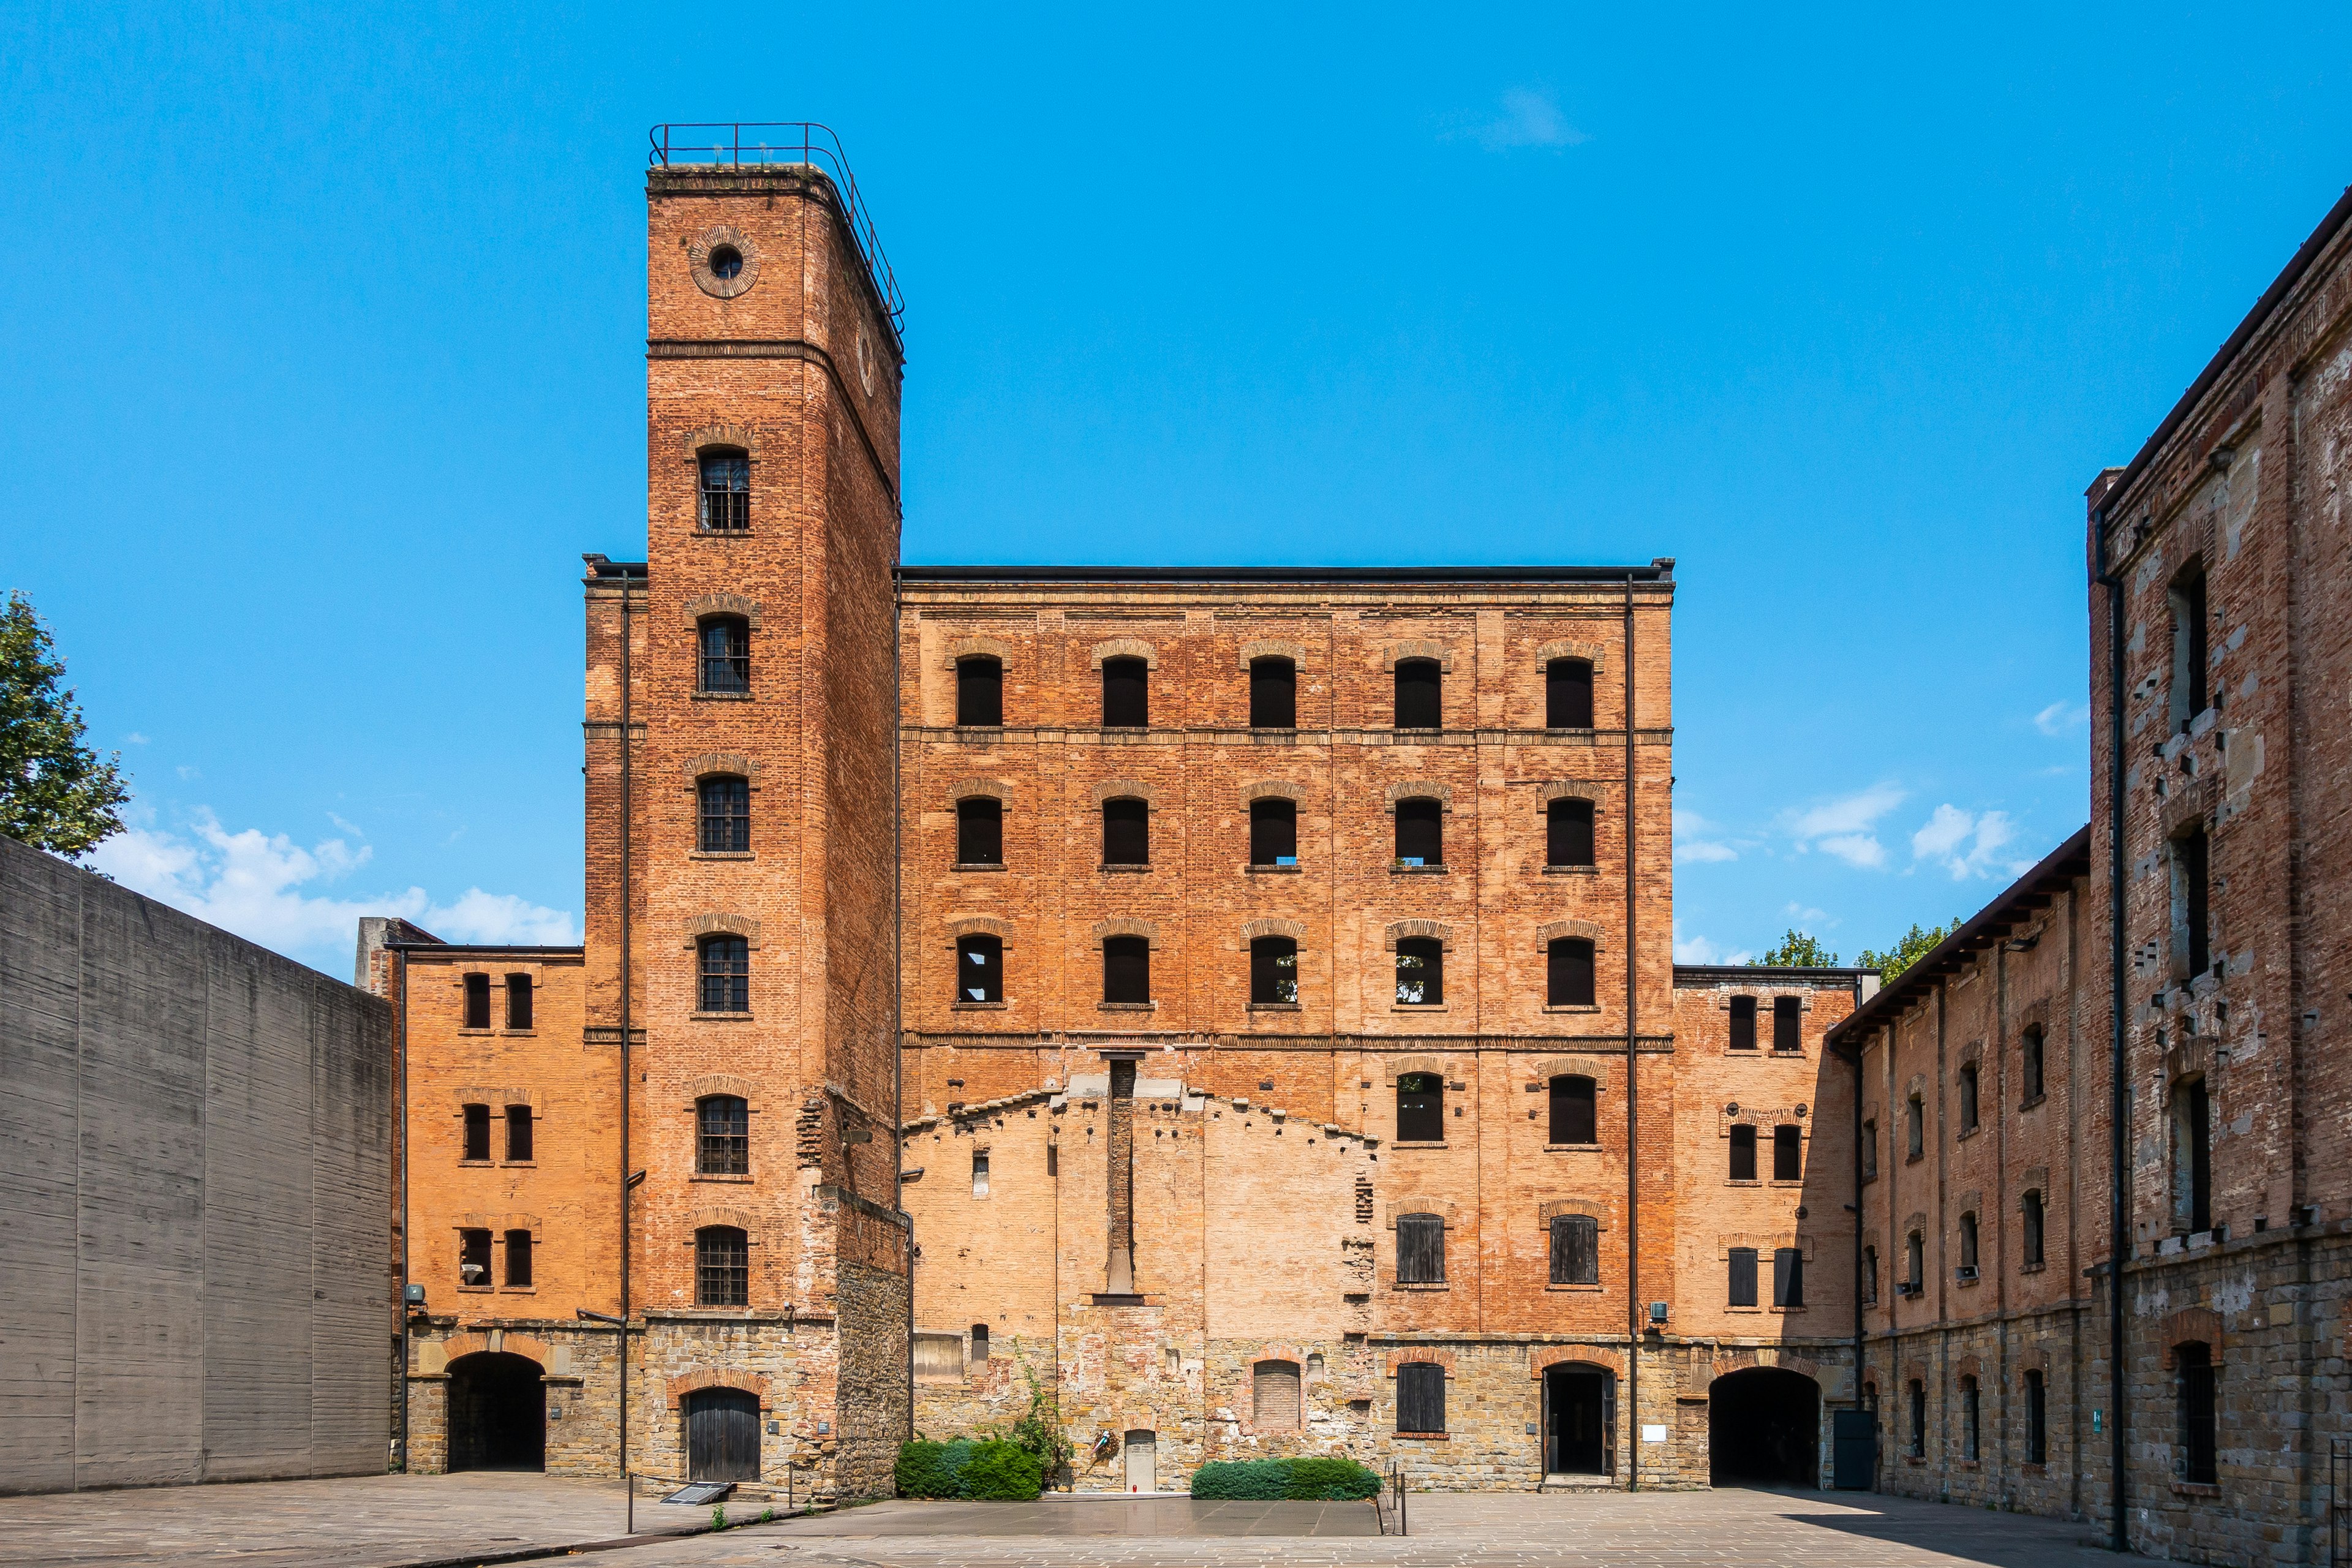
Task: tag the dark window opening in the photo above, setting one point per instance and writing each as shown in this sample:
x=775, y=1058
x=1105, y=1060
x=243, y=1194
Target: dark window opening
x=1869, y=1150
x=1417, y=694
x=726, y=654
x=979, y=969
x=979, y=691
x=474, y=1258
x=1915, y=1115
x=1971, y=1426
x=1126, y=694
x=1419, y=972
x=2192, y=902
x=1126, y=970
x=518, y=1258
x=2030, y=1049
x=1273, y=832
x=1788, y=1276
x=1743, y=1022
x=478, y=1001
x=1788, y=1023
x=2032, y=1228
x=1568, y=694
x=2189, y=647
x=1968, y=1241
x=980, y=831
x=1743, y=1153
x=1914, y=1249
x=478, y=1132
x=723, y=1135
x=1870, y=1277
x=722, y=1266
x=1568, y=833
x=978, y=1343
x=519, y=1141
x=1968, y=1098
x=517, y=1001
x=1420, y=1108
x=2200, y=1464
x=726, y=491
x=1569, y=973
x=1274, y=694
x=1575, y=1250
x=1420, y=833
x=1273, y=971
x=2192, y=1156
x=726, y=974
x=1574, y=1113
x=1127, y=831
x=724, y=811
x=2037, y=1420
x=1788, y=1154
x=1421, y=1397
x=1420, y=1249
x=1743, y=1276
x=1918, y=1419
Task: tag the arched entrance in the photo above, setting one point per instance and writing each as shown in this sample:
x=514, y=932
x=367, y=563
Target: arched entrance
x=497, y=1413
x=1580, y=1420
x=722, y=1434
x=1764, y=1426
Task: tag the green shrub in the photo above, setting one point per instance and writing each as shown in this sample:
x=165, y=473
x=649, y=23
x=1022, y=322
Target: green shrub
x=1002, y=1472
x=1268, y=1480
x=1331, y=1481
x=932, y=1470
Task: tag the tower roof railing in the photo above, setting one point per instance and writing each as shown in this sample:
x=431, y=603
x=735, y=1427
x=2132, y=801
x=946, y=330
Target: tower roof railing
x=731, y=143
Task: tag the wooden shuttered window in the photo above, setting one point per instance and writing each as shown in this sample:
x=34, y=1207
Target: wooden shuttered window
x=1575, y=1250
x=1274, y=1397
x=939, y=1355
x=1788, y=1276
x=1420, y=1249
x=1743, y=1276
x=1421, y=1397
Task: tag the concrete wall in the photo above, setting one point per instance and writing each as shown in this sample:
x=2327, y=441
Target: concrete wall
x=194, y=1193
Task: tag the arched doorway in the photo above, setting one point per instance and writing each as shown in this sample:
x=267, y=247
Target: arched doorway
x=722, y=1434
x=497, y=1413
x=1580, y=1420
x=1764, y=1426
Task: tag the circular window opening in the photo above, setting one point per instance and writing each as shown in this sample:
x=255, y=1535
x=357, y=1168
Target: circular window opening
x=726, y=263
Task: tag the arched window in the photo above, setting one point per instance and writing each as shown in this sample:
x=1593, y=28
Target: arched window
x=517, y=1001
x=2186, y=599
x=1274, y=694
x=478, y=1002
x=2032, y=1209
x=1914, y=1250
x=476, y=1119
x=979, y=691
x=1969, y=1246
x=1915, y=1128
x=1568, y=694
x=1788, y=1276
x=724, y=803
x=1274, y=1397
x=2029, y=1053
x=1126, y=970
x=1569, y=973
x=1419, y=972
x=979, y=969
x=1968, y=1098
x=1418, y=706
x=1420, y=833
x=722, y=1136
x=1971, y=1426
x=1743, y=1152
x=1567, y=832
x=1420, y=1108
x=1788, y=1023
x=1273, y=831
x=726, y=963
x=1273, y=971
x=1420, y=1249
x=2037, y=1419
x=725, y=643
x=517, y=1259
x=1918, y=1419
x=2192, y=1156
x=1870, y=1277
x=1127, y=831
x=978, y=1343
x=2197, y=1390
x=1126, y=694
x=726, y=489
x=519, y=1140
x=1574, y=1115
x=980, y=831
x=722, y=1266
x=1788, y=1154
x=1575, y=1250
x=1743, y=1022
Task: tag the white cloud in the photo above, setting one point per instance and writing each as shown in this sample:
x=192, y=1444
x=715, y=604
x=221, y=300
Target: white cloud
x=1844, y=827
x=1698, y=840
x=134, y=739
x=1942, y=833
x=1809, y=917
x=1699, y=949
x=268, y=889
x=1966, y=844
x=2061, y=717
x=1528, y=118
x=1862, y=849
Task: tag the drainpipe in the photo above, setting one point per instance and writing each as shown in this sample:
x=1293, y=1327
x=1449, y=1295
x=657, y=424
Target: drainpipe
x=898, y=981
x=401, y=1132
x=1858, y=1348
x=1633, y=1097
x=2118, y=1089
x=628, y=835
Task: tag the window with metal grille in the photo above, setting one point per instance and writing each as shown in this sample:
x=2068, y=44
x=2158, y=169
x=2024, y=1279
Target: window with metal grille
x=979, y=691
x=725, y=643
x=1743, y=1276
x=474, y=1258
x=1743, y=1022
x=1788, y=1154
x=1967, y=1241
x=1420, y=1249
x=2192, y=1156
x=723, y=1135
x=1918, y=1419
x=980, y=831
x=1575, y=1250
x=1127, y=831
x=1273, y=971
x=517, y=1001
x=2029, y=1055
x=1274, y=1397
x=1915, y=1248
x=1915, y=1126
x=1788, y=1276
x=1574, y=1114
x=1869, y=1150
x=1126, y=970
x=1420, y=1108
x=2189, y=646
x=1417, y=694
x=478, y=1002
x=1743, y=1152
x=1126, y=694
x=722, y=1266
x=979, y=969
x=2193, y=902
x=1420, y=1397
x=978, y=1343
x=1419, y=972
x=1870, y=1277
x=726, y=974
x=1972, y=1429
x=724, y=804
x=1273, y=832
x=1968, y=1098
x=1274, y=694
x=2198, y=1462
x=478, y=1132
x=518, y=1258
x=1568, y=979
x=519, y=1134
x=2031, y=1207
x=2037, y=1420
x=1568, y=833
x=1788, y=1023
x=726, y=491
x=1568, y=694
x=1420, y=833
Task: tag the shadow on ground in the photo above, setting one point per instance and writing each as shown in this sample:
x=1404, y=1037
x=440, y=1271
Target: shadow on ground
x=1161, y=1517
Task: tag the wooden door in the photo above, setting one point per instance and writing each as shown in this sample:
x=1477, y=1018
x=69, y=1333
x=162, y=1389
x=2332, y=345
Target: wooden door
x=722, y=1434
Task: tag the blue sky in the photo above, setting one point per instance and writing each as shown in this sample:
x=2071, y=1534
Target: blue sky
x=324, y=361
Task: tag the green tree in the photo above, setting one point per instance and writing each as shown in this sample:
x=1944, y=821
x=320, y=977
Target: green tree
x=56, y=794
x=1797, y=951
x=1914, y=945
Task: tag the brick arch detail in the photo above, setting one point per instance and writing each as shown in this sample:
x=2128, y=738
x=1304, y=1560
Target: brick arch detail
x=1552, y=931
x=1397, y=1067
x=722, y=924
x=1126, y=647
x=1273, y=925
x=1396, y=653
x=694, y=1382
x=704, y=605
x=1127, y=789
x=485, y=1094
x=998, y=790
x=1443, y=1208
x=711, y=1083
x=1539, y=1361
x=702, y=438
x=1748, y=1360
x=1573, y=789
x=1263, y=789
x=1397, y=1358
x=2189, y=1326
x=699, y=768
x=2034, y=1359
x=1127, y=925
x=980, y=925
x=1601, y=1208
x=1274, y=647
x=501, y=1223
x=968, y=647
x=1969, y=1366
x=1278, y=1350
x=1549, y=1068
x=1916, y=1371
x=1590, y=652
x=1916, y=1220
x=1400, y=928
x=743, y=1220
x=1421, y=789
x=478, y=1342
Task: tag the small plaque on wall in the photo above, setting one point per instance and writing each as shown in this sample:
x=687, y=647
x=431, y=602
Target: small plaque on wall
x=1653, y=1434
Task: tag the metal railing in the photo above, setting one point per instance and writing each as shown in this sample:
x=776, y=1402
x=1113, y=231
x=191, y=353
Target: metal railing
x=727, y=143
x=1397, y=1496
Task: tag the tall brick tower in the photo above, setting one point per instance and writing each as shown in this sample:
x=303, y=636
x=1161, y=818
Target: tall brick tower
x=753, y=903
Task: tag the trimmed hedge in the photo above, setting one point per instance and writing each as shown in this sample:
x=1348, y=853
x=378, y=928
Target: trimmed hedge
x=967, y=1470
x=1295, y=1481
x=932, y=1470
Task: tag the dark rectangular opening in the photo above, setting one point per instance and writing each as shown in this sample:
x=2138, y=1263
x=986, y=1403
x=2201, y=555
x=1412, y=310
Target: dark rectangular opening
x=1418, y=687
x=1743, y=1022
x=726, y=491
x=519, y=1147
x=1968, y=1099
x=2196, y=1117
x=1743, y=1276
x=980, y=831
x=2037, y=1420
x=1420, y=1397
x=478, y=1132
x=1569, y=977
x=1126, y=970
x=2191, y=649
x=518, y=1258
x=1274, y=694
x=1568, y=833
x=1273, y=971
x=979, y=691
x=474, y=1258
x=1126, y=694
x=2199, y=1467
x=1420, y=1108
x=1788, y=1276
x=1273, y=832
x=1419, y=972
x=726, y=654
x=478, y=1001
x=2030, y=1051
x=1127, y=831
x=1568, y=694
x=1420, y=833
x=726, y=974
x=722, y=1126
x=1574, y=1116
x=1788, y=1023
x=517, y=1001
x=979, y=969
x=2190, y=860
x=725, y=815
x=1575, y=1250
x=1743, y=1152
x=1420, y=1249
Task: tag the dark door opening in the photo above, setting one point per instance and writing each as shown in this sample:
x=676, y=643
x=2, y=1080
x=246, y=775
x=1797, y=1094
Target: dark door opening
x=722, y=1434
x=1854, y=1450
x=497, y=1413
x=1580, y=1421
x=1764, y=1426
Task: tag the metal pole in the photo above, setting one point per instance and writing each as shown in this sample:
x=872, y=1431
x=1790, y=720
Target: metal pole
x=1633, y=1099
x=2118, y=1088
x=628, y=833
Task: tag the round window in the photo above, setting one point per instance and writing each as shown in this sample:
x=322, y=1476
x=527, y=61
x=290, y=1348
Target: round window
x=726, y=263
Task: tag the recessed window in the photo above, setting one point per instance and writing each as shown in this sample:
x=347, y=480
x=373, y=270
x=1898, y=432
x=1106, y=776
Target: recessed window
x=1743, y=1152
x=979, y=691
x=726, y=642
x=478, y=1002
x=2030, y=1208
x=1569, y=973
x=1916, y=1121
x=1420, y=1397
x=474, y=1258
x=1418, y=691
x=1274, y=694
x=980, y=831
x=1743, y=1022
x=1574, y=1116
x=517, y=1259
x=1971, y=1423
x=978, y=1343
x=1127, y=831
x=1126, y=970
x=476, y=1119
x=1788, y=1023
x=979, y=969
x=1273, y=971
x=1915, y=1253
x=2029, y=1055
x=1870, y=1277
x=726, y=489
x=722, y=1266
x=517, y=1001
x=1273, y=832
x=1274, y=1397
x=1575, y=1250
x=1419, y=972
x=1420, y=833
x=1743, y=1276
x=1420, y=1249
x=1126, y=694
x=1788, y=1276
x=2037, y=1419
x=726, y=974
x=1568, y=694
x=1918, y=1419
x=1568, y=833
x=2192, y=1156
x=1968, y=1242
x=723, y=1135
x=1968, y=1098
x=1788, y=1154
x=2186, y=599
x=726, y=262
x=2192, y=908
x=2196, y=1390
x=980, y=1173
x=723, y=809
x=1869, y=1150
x=518, y=1140
x=1420, y=1108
